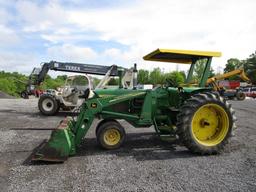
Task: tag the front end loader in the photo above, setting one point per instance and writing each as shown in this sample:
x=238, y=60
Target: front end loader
x=229, y=94
x=198, y=116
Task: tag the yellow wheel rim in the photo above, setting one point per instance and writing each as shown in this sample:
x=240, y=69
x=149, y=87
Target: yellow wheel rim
x=210, y=124
x=112, y=136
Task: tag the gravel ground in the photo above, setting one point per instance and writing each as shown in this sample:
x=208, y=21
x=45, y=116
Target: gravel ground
x=144, y=163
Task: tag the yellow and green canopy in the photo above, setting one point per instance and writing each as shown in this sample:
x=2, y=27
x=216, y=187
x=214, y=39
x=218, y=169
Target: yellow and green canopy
x=178, y=56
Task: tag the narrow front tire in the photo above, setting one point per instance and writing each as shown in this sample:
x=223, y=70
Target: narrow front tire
x=110, y=135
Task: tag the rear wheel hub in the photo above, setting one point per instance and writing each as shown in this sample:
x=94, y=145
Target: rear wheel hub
x=48, y=104
x=210, y=124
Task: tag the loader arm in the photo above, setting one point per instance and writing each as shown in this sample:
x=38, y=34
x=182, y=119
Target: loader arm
x=214, y=79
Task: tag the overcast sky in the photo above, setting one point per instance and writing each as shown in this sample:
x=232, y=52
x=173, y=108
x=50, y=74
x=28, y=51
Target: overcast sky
x=121, y=32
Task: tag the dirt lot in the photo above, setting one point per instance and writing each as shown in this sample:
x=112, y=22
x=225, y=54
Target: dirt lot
x=144, y=163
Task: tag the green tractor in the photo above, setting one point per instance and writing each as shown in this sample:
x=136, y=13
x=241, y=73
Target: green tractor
x=199, y=117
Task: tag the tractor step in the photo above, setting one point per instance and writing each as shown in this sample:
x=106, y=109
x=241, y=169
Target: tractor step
x=169, y=138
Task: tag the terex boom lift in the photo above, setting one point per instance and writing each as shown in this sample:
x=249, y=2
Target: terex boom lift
x=229, y=94
x=38, y=74
x=199, y=116
x=68, y=98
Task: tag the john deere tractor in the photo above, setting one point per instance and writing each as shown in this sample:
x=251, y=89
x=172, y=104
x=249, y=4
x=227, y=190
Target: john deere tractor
x=199, y=117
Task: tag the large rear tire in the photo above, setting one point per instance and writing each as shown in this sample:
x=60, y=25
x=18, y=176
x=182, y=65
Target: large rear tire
x=205, y=123
x=48, y=105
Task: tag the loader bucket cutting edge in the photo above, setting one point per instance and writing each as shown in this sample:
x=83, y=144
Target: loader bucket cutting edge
x=58, y=147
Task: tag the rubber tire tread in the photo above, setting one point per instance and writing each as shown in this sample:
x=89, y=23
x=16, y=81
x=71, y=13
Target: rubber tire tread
x=55, y=109
x=109, y=125
x=184, y=118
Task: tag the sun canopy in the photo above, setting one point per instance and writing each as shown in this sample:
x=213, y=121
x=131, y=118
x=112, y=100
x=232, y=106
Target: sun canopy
x=178, y=56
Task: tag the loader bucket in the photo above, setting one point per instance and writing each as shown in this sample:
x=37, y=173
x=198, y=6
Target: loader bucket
x=59, y=146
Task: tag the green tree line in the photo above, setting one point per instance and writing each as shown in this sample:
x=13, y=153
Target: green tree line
x=248, y=64
x=14, y=83
x=157, y=76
